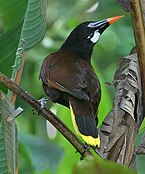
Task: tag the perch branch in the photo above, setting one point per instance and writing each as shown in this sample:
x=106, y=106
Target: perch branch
x=139, y=32
x=47, y=114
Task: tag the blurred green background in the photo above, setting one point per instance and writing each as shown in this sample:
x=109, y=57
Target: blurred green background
x=34, y=134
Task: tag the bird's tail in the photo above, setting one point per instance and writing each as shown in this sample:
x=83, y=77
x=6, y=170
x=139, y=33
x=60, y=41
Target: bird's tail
x=84, y=121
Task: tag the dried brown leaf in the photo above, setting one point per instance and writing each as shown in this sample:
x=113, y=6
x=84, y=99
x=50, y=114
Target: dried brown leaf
x=124, y=4
x=119, y=129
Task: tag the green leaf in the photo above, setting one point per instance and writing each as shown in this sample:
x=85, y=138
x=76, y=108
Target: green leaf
x=34, y=24
x=12, y=13
x=8, y=137
x=33, y=30
x=8, y=45
x=44, y=155
x=96, y=166
x=140, y=158
x=21, y=20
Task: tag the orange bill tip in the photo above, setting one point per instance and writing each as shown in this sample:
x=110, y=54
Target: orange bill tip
x=114, y=19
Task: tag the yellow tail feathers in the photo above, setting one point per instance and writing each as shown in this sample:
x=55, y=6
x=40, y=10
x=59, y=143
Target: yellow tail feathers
x=88, y=139
x=91, y=140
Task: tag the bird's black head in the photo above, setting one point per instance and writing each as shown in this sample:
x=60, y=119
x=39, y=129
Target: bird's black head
x=83, y=38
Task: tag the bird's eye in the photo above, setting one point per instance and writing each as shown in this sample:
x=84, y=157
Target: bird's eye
x=90, y=36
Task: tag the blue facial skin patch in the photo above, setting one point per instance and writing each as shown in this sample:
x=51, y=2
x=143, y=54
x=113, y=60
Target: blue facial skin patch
x=97, y=24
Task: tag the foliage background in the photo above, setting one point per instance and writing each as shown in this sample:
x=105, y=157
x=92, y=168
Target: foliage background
x=116, y=42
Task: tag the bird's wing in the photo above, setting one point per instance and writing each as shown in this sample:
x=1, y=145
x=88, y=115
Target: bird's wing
x=93, y=84
x=64, y=75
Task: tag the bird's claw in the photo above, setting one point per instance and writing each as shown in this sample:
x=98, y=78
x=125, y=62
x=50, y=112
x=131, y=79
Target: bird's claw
x=43, y=102
x=86, y=148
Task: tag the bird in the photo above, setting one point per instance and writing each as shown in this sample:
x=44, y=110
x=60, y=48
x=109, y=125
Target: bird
x=69, y=79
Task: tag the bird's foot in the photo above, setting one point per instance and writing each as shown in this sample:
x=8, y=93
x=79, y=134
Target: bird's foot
x=86, y=148
x=43, y=102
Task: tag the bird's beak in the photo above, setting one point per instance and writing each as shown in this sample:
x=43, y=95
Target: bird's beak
x=103, y=24
x=113, y=19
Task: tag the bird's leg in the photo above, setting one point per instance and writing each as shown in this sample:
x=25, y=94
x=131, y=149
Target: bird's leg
x=43, y=102
x=86, y=148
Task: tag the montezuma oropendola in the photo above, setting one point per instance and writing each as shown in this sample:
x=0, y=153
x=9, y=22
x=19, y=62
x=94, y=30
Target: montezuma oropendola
x=69, y=79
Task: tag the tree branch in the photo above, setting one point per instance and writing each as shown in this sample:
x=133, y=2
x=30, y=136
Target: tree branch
x=139, y=32
x=47, y=114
